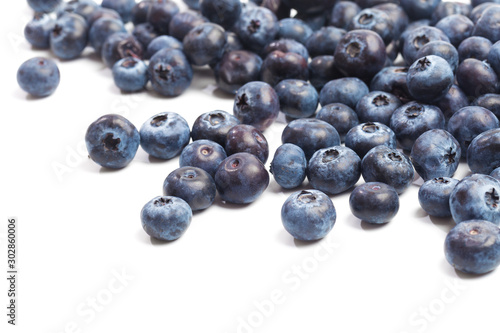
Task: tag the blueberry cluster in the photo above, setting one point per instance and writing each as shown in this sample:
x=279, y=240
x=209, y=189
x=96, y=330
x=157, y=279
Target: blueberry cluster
x=401, y=87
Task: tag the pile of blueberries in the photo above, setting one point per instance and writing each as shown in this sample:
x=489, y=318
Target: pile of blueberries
x=403, y=86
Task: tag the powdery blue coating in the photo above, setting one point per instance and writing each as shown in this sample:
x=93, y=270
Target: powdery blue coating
x=69, y=36
x=483, y=154
x=476, y=197
x=112, y=141
x=165, y=135
x=293, y=28
x=412, y=119
x=37, y=31
x=289, y=166
x=166, y=218
x=310, y=134
x=170, y=72
x=241, y=178
x=363, y=137
x=434, y=196
x=38, y=76
x=256, y=28
x=203, y=154
x=130, y=74
x=436, y=153
x=388, y=165
x=102, y=29
x=347, y=90
x=193, y=185
x=308, y=215
x=162, y=42
x=334, y=170
x=374, y=202
x=298, y=98
x=473, y=247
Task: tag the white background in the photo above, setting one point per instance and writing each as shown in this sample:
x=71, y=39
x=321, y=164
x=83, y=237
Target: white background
x=235, y=269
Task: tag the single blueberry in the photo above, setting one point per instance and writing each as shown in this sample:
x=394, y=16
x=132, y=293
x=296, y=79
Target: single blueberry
x=166, y=218
x=256, y=28
x=112, y=141
x=363, y=137
x=454, y=100
x=203, y=154
x=473, y=247
x=279, y=66
x=161, y=13
x=434, y=196
x=102, y=29
x=340, y=116
x=139, y=13
x=483, y=154
x=456, y=27
x=377, y=106
x=191, y=184
x=487, y=24
x=162, y=42
x=170, y=72
x=289, y=166
x=346, y=90
x=183, y=22
x=374, y=202
x=392, y=79
x=474, y=47
x=222, y=12
x=295, y=29
x=308, y=215
x=342, y=13
x=324, y=41
x=298, y=98
x=322, y=70
x=246, y=138
x=204, y=44
x=164, y=135
x=69, y=36
x=214, y=126
x=130, y=74
x=38, y=76
x=37, y=31
x=477, y=78
x=236, y=69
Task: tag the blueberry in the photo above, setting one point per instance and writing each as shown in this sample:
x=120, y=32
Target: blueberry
x=473, y=247
x=112, y=141
x=377, y=106
x=161, y=13
x=241, y=178
x=360, y=53
x=257, y=104
x=416, y=38
x=130, y=74
x=256, y=28
x=418, y=10
x=139, y=13
x=435, y=153
x=69, y=36
x=298, y=98
x=123, y=7
x=334, y=170
x=164, y=135
x=203, y=154
x=483, y=154
x=286, y=45
x=310, y=135
x=429, y=79
x=447, y=8
x=279, y=66
x=183, y=22
x=37, y=31
x=191, y=184
x=120, y=45
x=236, y=69
x=214, y=126
x=342, y=13
x=99, y=13
x=363, y=137
x=222, y=12
x=144, y=33
x=389, y=166
x=44, y=6
x=490, y=102
x=346, y=90
x=162, y=42
x=246, y=138
x=375, y=20
x=454, y=100
x=434, y=196
x=469, y=122
x=442, y=49
x=292, y=28
x=170, y=72
x=474, y=47
x=322, y=70
x=324, y=41
x=308, y=215
x=392, y=79
x=340, y=116
x=289, y=166
x=494, y=57
x=38, y=76
x=166, y=218
x=204, y=44
x=374, y=202
x=476, y=197
x=102, y=29
x=478, y=9
x=412, y=119
x=477, y=78
x=487, y=24
x=457, y=27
